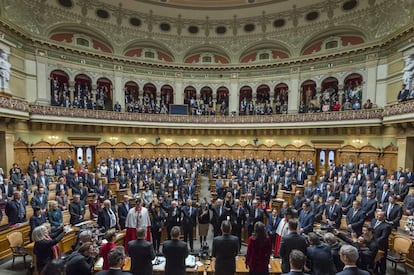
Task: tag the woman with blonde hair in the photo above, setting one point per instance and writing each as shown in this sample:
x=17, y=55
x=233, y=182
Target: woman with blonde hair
x=110, y=237
x=45, y=248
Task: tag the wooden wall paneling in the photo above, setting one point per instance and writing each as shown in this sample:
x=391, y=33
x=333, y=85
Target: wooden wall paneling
x=291, y=151
x=104, y=150
x=63, y=149
x=42, y=150
x=369, y=152
x=348, y=152
x=134, y=149
x=22, y=154
x=276, y=151
x=186, y=150
x=249, y=151
x=389, y=157
x=120, y=150
x=162, y=149
x=306, y=152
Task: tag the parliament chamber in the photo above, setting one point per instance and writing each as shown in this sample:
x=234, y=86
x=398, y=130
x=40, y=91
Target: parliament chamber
x=190, y=99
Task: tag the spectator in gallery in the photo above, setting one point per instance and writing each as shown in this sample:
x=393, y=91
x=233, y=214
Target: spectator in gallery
x=403, y=93
x=368, y=104
x=117, y=107
x=336, y=106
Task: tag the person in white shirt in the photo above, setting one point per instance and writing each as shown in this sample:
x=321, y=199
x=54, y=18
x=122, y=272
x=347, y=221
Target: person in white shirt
x=137, y=217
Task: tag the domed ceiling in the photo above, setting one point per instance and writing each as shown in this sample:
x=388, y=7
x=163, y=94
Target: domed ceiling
x=210, y=31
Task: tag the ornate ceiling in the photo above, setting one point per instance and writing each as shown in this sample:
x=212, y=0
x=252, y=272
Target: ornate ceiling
x=222, y=31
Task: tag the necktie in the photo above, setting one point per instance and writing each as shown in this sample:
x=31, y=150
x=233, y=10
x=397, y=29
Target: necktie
x=331, y=210
x=256, y=214
x=376, y=224
x=355, y=211
x=389, y=210
x=384, y=194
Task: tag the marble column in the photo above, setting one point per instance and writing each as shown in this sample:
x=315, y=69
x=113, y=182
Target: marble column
x=293, y=95
x=118, y=94
x=234, y=94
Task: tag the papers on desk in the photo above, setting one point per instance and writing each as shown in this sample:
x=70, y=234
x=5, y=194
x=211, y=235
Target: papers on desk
x=99, y=263
x=158, y=264
x=82, y=223
x=190, y=261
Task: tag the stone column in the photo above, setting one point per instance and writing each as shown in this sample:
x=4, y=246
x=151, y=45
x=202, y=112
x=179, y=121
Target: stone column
x=369, y=87
x=71, y=89
x=405, y=154
x=293, y=94
x=43, y=94
x=118, y=91
x=234, y=94
x=178, y=91
x=6, y=150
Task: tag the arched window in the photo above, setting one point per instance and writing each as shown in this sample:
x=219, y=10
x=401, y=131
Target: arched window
x=353, y=92
x=308, y=100
x=329, y=95
x=104, y=94
x=167, y=97
x=84, y=97
x=281, y=97
x=223, y=100
x=131, y=91
x=149, y=98
x=59, y=88
x=262, y=94
x=246, y=96
x=189, y=93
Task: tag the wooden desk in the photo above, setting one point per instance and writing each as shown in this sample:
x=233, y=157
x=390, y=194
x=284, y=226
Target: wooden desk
x=275, y=267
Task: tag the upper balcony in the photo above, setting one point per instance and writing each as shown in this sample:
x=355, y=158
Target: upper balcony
x=390, y=114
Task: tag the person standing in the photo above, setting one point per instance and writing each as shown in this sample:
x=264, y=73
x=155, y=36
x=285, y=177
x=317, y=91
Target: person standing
x=282, y=230
x=225, y=249
x=175, y=252
x=382, y=231
x=141, y=253
x=349, y=256
x=157, y=224
x=110, y=237
x=289, y=242
x=106, y=217
x=16, y=209
x=116, y=258
x=203, y=222
x=297, y=262
x=45, y=248
x=137, y=217
x=76, y=210
x=258, y=251
x=81, y=262
x=123, y=209
x=272, y=224
x=189, y=221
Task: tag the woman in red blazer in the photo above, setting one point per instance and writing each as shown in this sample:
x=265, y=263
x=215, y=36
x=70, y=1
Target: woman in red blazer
x=258, y=251
x=110, y=236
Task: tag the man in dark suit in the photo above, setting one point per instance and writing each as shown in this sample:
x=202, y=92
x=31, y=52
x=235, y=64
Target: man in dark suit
x=403, y=93
x=16, y=209
x=393, y=212
x=369, y=205
x=401, y=189
x=7, y=188
x=40, y=199
x=383, y=195
x=106, y=217
x=382, y=231
x=219, y=215
x=317, y=207
x=116, y=259
x=349, y=256
x=174, y=218
x=320, y=256
x=123, y=209
x=333, y=213
x=306, y=218
x=290, y=242
x=286, y=182
x=76, y=210
x=101, y=190
x=346, y=199
x=355, y=218
x=175, y=252
x=297, y=262
x=141, y=253
x=240, y=219
x=225, y=249
x=255, y=215
x=188, y=215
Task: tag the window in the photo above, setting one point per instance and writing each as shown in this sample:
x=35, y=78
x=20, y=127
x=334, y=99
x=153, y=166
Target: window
x=331, y=45
x=82, y=42
x=264, y=56
x=149, y=54
x=206, y=59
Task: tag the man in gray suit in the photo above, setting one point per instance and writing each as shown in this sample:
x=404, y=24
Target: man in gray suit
x=225, y=249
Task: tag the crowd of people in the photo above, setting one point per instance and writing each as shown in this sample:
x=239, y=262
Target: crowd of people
x=84, y=96
x=165, y=195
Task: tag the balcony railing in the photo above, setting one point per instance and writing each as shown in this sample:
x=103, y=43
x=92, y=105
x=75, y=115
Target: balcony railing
x=52, y=111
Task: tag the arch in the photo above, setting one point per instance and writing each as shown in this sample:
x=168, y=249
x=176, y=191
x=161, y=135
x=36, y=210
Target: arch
x=316, y=40
x=206, y=94
x=254, y=47
x=263, y=93
x=83, y=91
x=149, y=96
x=281, y=97
x=59, y=87
x=93, y=33
x=329, y=89
x=104, y=90
x=223, y=95
x=151, y=44
x=353, y=90
x=307, y=97
x=131, y=92
x=212, y=49
x=245, y=99
x=189, y=93
x=167, y=96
